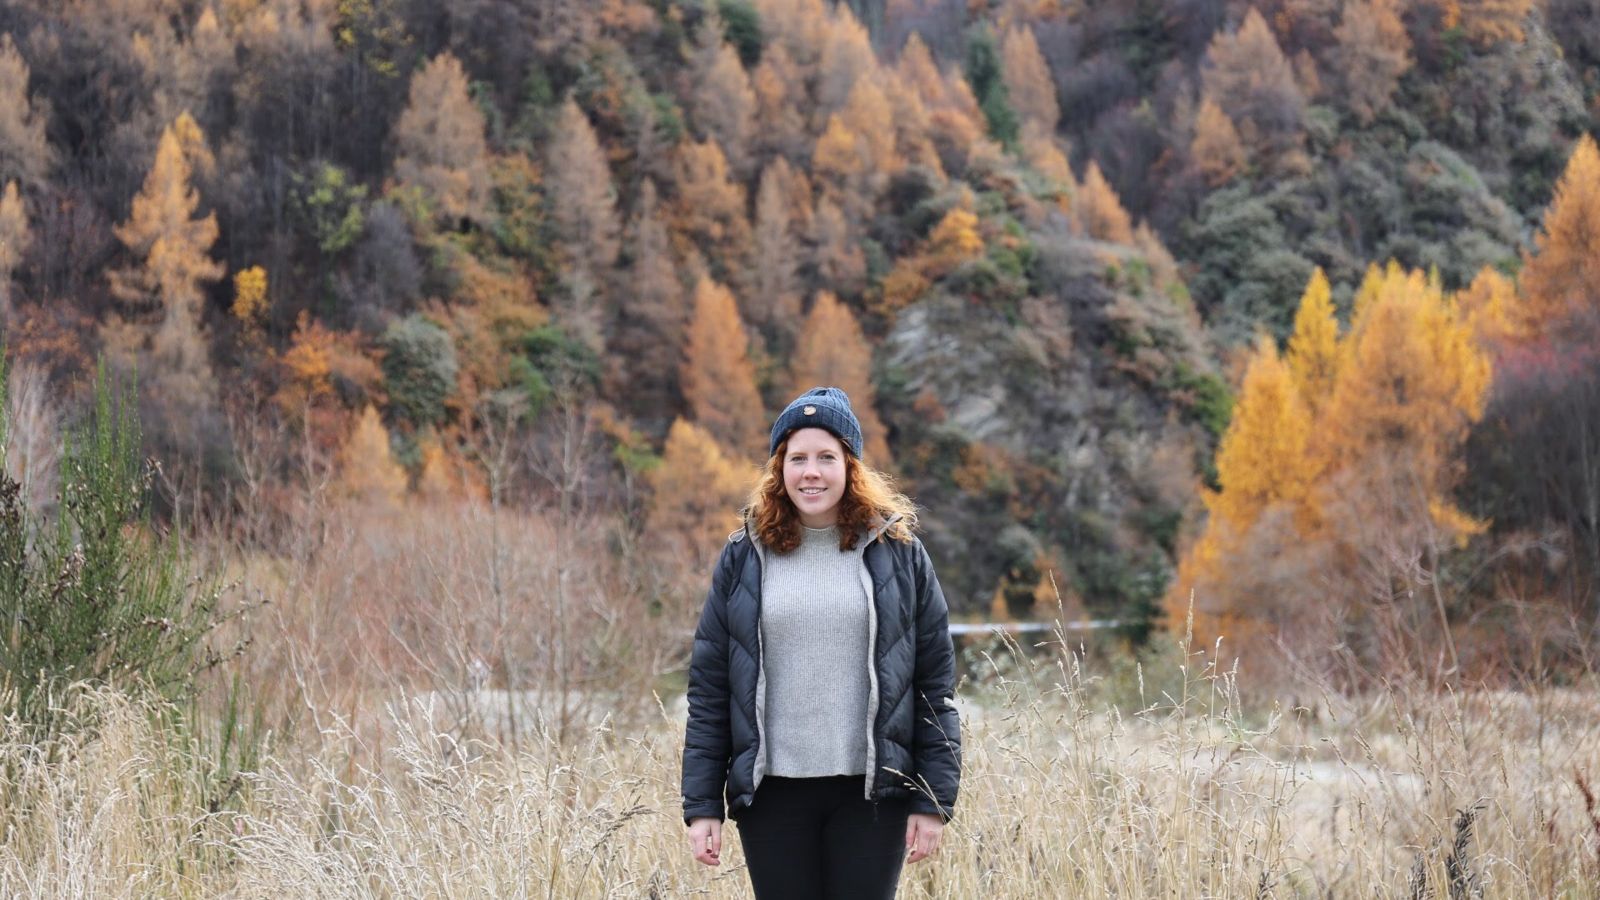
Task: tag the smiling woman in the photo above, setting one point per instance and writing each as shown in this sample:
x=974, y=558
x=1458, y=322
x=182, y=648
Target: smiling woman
x=821, y=689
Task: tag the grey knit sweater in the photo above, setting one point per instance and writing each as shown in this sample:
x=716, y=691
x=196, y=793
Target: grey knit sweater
x=814, y=643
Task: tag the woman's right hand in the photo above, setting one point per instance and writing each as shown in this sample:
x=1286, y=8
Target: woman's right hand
x=705, y=840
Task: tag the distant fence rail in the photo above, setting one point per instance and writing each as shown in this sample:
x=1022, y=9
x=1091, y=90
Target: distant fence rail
x=958, y=628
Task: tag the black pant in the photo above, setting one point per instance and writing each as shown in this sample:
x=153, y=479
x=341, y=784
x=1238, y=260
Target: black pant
x=820, y=839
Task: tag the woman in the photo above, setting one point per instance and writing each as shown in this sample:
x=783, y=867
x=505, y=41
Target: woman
x=821, y=688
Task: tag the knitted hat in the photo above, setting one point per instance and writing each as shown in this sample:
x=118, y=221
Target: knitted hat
x=827, y=408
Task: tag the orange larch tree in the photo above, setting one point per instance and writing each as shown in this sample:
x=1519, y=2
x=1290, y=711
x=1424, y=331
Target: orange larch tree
x=1561, y=281
x=1100, y=210
x=833, y=352
x=1216, y=149
x=719, y=380
x=1028, y=82
x=440, y=147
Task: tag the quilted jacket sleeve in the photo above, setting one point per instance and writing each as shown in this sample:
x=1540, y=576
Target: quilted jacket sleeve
x=936, y=740
x=707, y=742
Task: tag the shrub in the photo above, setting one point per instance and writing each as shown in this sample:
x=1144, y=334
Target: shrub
x=419, y=369
x=97, y=595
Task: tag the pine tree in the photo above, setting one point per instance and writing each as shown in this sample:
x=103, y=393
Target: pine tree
x=781, y=128
x=723, y=103
x=1100, y=210
x=774, y=302
x=868, y=115
x=836, y=254
x=440, y=146
x=1028, y=82
x=583, y=209
x=1247, y=75
x=1372, y=52
x=847, y=58
x=833, y=352
x=1561, y=282
x=711, y=204
x=25, y=153
x=719, y=380
x=15, y=238
x=1217, y=151
x=162, y=298
x=1313, y=354
x=648, y=330
x=989, y=86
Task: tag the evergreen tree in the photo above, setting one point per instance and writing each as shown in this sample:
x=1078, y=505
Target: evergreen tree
x=988, y=83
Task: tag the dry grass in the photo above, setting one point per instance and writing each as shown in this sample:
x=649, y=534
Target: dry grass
x=1461, y=795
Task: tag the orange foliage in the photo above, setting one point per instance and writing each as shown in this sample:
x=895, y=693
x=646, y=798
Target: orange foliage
x=1561, y=282
x=1314, y=345
x=696, y=492
x=1100, y=209
x=833, y=352
x=1216, y=149
x=719, y=380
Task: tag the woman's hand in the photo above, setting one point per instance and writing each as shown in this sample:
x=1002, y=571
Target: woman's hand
x=923, y=834
x=705, y=840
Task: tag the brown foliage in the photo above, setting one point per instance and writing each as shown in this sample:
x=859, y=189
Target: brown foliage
x=833, y=352
x=440, y=145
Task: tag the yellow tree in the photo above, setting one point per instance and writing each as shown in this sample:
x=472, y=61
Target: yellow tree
x=367, y=469
x=1313, y=354
x=1561, y=282
x=699, y=511
x=1100, y=209
x=953, y=241
x=1491, y=304
x=833, y=352
x=162, y=298
x=1413, y=380
x=719, y=380
x=1263, y=461
x=1217, y=151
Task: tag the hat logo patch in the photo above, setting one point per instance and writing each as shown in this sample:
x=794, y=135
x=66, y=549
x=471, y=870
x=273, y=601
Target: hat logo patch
x=810, y=410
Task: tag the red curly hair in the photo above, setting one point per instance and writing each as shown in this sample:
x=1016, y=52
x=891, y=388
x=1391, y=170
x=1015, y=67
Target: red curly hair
x=869, y=499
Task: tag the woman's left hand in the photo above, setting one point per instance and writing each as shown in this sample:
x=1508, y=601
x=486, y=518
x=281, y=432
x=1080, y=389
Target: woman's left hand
x=923, y=834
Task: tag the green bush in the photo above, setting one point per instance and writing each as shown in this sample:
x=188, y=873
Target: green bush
x=419, y=369
x=97, y=595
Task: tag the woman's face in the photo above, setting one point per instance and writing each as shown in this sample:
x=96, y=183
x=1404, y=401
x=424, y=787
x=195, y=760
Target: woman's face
x=814, y=476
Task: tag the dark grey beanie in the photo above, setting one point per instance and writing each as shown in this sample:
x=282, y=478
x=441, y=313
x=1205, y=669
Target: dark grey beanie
x=827, y=408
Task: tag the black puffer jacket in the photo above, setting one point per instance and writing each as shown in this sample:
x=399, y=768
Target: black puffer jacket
x=915, y=746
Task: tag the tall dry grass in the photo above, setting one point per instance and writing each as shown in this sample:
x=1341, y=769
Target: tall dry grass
x=1189, y=793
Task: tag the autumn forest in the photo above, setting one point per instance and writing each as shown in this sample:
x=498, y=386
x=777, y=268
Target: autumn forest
x=1273, y=320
